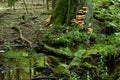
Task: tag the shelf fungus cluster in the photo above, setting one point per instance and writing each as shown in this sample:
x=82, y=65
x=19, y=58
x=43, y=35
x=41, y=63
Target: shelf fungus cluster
x=80, y=18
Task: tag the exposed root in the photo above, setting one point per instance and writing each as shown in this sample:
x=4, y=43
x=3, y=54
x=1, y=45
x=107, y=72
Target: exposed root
x=21, y=36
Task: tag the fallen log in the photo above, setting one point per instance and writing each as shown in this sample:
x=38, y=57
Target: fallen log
x=48, y=50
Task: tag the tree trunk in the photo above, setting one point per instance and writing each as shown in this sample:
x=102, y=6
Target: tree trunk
x=65, y=10
x=53, y=3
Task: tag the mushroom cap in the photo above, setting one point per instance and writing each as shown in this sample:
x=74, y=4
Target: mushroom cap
x=80, y=17
x=84, y=8
x=80, y=26
x=89, y=30
x=84, y=12
x=81, y=22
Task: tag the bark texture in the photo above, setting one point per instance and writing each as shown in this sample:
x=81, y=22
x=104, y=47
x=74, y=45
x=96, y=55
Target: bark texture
x=65, y=11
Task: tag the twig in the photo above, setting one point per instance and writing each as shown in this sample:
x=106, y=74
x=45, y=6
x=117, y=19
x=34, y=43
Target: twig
x=21, y=36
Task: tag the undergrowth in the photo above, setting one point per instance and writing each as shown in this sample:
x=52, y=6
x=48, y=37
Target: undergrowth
x=90, y=55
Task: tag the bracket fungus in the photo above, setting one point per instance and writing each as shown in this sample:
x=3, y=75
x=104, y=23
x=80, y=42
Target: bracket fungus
x=80, y=18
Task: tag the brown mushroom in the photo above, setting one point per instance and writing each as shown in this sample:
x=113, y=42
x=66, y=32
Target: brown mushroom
x=84, y=8
x=80, y=17
x=80, y=21
x=84, y=12
x=89, y=30
x=73, y=20
x=80, y=26
x=80, y=10
x=90, y=25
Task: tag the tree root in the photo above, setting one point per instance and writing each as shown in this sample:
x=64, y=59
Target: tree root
x=21, y=36
x=48, y=50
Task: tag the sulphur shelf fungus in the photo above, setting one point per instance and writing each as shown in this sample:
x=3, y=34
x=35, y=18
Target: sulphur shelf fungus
x=80, y=26
x=80, y=18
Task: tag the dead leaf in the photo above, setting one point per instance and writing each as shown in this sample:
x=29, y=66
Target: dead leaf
x=48, y=20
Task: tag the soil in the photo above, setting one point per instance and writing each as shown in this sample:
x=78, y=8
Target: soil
x=31, y=24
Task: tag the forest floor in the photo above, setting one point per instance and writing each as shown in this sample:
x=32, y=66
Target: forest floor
x=29, y=23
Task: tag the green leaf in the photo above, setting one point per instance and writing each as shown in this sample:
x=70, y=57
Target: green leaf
x=62, y=69
x=16, y=54
x=88, y=65
x=75, y=62
x=67, y=51
x=79, y=53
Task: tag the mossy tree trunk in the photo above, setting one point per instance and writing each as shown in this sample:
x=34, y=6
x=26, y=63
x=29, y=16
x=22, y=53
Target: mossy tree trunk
x=65, y=10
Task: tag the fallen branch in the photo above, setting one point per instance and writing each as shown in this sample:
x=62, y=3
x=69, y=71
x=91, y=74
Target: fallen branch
x=21, y=36
x=48, y=50
x=24, y=39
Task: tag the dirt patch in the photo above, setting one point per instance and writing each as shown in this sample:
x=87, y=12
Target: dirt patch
x=29, y=23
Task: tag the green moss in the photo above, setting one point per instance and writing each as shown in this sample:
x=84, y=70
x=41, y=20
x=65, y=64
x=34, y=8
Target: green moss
x=77, y=37
x=11, y=2
x=59, y=12
x=62, y=41
x=114, y=39
x=16, y=54
x=103, y=49
x=88, y=65
x=65, y=10
x=62, y=69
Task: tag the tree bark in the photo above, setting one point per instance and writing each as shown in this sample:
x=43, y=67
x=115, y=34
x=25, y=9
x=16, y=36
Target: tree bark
x=65, y=10
x=53, y=3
